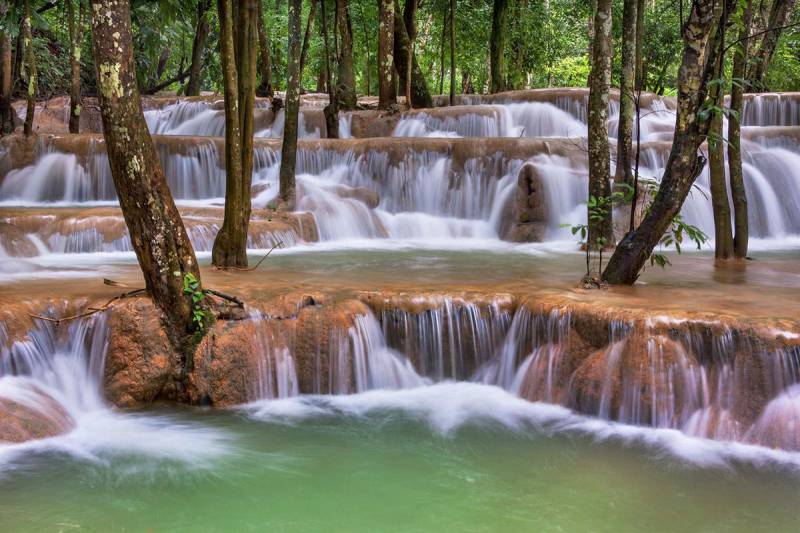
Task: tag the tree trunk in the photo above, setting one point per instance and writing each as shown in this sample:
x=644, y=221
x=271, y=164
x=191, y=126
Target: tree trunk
x=331, y=111
x=6, y=77
x=759, y=65
x=639, y=68
x=289, y=148
x=312, y=14
x=452, y=99
x=237, y=43
x=599, y=159
x=741, y=233
x=198, y=47
x=346, y=80
x=497, y=46
x=75, y=23
x=420, y=95
x=441, y=49
x=627, y=95
x=386, y=90
x=30, y=68
x=265, y=62
x=409, y=17
x=157, y=233
x=723, y=234
x=684, y=163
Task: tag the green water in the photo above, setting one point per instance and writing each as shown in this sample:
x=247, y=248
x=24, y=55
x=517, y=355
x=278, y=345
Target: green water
x=391, y=470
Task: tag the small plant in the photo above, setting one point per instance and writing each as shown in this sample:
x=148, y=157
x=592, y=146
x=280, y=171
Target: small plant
x=191, y=286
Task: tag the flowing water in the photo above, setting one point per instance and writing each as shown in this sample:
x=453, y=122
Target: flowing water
x=450, y=400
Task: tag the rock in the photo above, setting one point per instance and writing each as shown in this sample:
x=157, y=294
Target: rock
x=529, y=210
x=15, y=242
x=367, y=196
x=140, y=361
x=20, y=423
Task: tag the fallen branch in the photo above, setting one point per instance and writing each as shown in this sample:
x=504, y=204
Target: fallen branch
x=224, y=296
x=92, y=310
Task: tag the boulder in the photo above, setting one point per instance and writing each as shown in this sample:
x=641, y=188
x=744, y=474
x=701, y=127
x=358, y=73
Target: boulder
x=20, y=422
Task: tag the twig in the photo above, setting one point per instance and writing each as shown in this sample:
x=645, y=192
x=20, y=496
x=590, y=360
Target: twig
x=92, y=310
x=279, y=243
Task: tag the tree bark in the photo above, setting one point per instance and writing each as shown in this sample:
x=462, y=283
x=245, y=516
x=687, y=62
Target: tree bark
x=6, y=77
x=346, y=82
x=420, y=95
x=736, y=175
x=312, y=14
x=75, y=23
x=386, y=90
x=288, y=191
x=441, y=49
x=624, y=172
x=599, y=159
x=497, y=46
x=409, y=17
x=639, y=68
x=265, y=62
x=759, y=65
x=238, y=54
x=157, y=233
x=30, y=68
x=331, y=111
x=198, y=47
x=684, y=163
x=452, y=99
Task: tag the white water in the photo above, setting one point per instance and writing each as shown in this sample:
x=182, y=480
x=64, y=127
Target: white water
x=66, y=367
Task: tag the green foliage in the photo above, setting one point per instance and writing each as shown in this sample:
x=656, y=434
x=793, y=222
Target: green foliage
x=191, y=287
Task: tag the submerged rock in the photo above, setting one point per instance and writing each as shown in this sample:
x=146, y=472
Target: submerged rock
x=20, y=422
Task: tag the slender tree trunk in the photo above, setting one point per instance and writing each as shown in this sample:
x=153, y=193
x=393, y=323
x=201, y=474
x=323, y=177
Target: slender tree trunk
x=497, y=46
x=6, y=77
x=30, y=68
x=684, y=163
x=386, y=89
x=759, y=65
x=409, y=17
x=639, y=67
x=289, y=148
x=441, y=49
x=420, y=95
x=238, y=35
x=75, y=23
x=265, y=62
x=346, y=83
x=157, y=233
x=312, y=14
x=599, y=160
x=198, y=47
x=452, y=98
x=741, y=233
x=627, y=95
x=331, y=111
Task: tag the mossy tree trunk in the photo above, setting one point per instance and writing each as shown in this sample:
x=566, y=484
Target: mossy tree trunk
x=684, y=163
x=420, y=95
x=624, y=171
x=386, y=89
x=346, y=80
x=409, y=18
x=6, y=77
x=288, y=190
x=264, y=60
x=312, y=15
x=639, y=80
x=198, y=48
x=75, y=23
x=601, y=232
x=723, y=232
x=29, y=67
x=736, y=175
x=157, y=233
x=238, y=53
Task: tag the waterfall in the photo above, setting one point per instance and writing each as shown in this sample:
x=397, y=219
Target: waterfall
x=276, y=376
